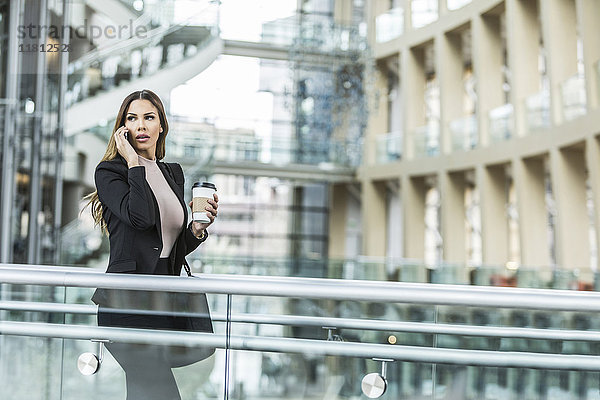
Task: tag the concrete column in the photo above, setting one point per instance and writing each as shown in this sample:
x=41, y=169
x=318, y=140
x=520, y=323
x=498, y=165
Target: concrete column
x=373, y=218
x=395, y=241
x=442, y=8
x=374, y=8
x=407, y=15
x=453, y=227
x=413, y=210
x=522, y=42
x=559, y=30
x=338, y=207
x=491, y=182
x=528, y=175
x=396, y=120
x=592, y=158
x=343, y=11
x=589, y=32
x=487, y=66
x=567, y=169
x=378, y=115
x=449, y=67
x=414, y=95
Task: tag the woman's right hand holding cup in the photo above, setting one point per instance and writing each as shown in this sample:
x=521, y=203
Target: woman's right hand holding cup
x=124, y=147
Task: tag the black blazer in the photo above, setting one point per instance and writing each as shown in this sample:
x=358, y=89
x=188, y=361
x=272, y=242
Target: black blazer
x=133, y=220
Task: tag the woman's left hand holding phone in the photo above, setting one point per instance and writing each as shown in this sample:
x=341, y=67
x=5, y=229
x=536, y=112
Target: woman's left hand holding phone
x=124, y=147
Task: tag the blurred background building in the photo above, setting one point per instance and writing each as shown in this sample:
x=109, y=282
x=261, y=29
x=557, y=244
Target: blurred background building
x=440, y=141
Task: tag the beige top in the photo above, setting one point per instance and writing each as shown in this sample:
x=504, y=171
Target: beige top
x=170, y=210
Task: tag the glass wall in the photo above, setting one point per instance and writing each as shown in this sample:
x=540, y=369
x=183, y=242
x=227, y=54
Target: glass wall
x=33, y=134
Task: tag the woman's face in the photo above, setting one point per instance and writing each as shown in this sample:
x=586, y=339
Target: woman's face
x=143, y=124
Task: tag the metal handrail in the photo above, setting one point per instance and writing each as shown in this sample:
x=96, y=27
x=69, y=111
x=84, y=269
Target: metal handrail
x=338, y=323
x=308, y=346
x=333, y=289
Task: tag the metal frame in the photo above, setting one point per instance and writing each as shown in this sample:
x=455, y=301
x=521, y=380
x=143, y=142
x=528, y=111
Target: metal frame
x=374, y=291
x=315, y=288
x=342, y=323
x=308, y=346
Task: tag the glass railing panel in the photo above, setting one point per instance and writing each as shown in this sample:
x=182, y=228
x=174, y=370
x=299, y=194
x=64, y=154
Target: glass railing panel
x=401, y=270
x=409, y=379
x=464, y=133
x=306, y=371
x=389, y=25
x=446, y=273
x=208, y=146
x=309, y=374
x=108, y=382
x=204, y=143
x=513, y=275
x=456, y=4
x=537, y=109
x=326, y=36
x=423, y=12
x=80, y=241
x=574, y=99
x=426, y=140
x=30, y=367
x=145, y=355
x=47, y=368
x=309, y=31
x=388, y=147
x=501, y=123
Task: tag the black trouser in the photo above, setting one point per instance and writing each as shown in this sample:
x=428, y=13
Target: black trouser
x=147, y=367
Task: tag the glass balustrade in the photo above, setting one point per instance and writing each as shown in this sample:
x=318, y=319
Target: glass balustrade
x=310, y=31
x=389, y=25
x=426, y=140
x=537, y=109
x=501, y=123
x=200, y=142
x=388, y=147
x=159, y=47
x=403, y=270
x=464, y=133
x=206, y=147
x=285, y=348
x=574, y=99
x=80, y=241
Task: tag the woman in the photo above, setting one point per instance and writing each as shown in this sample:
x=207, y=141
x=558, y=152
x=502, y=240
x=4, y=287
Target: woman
x=139, y=202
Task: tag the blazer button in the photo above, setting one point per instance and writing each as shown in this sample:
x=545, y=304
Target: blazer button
x=155, y=248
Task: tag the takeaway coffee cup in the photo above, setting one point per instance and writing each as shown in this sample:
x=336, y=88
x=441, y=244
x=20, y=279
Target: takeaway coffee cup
x=201, y=192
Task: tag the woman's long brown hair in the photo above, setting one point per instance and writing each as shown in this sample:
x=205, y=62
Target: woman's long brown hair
x=112, y=152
